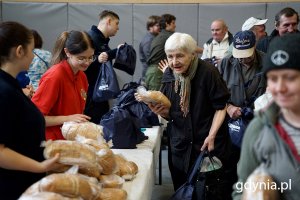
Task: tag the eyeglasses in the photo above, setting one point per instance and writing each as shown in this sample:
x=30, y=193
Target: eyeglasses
x=82, y=60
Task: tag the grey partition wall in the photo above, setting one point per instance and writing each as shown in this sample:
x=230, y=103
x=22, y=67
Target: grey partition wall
x=50, y=19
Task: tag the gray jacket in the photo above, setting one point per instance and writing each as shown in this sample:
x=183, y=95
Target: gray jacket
x=262, y=144
x=231, y=70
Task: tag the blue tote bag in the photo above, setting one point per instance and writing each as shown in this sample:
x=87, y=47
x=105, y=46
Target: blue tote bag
x=107, y=86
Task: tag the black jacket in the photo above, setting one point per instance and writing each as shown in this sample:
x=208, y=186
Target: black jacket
x=187, y=134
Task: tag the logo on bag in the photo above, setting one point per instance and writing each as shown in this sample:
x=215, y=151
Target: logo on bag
x=103, y=87
x=234, y=127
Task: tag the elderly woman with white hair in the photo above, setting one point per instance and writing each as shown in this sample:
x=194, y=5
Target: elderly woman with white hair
x=198, y=98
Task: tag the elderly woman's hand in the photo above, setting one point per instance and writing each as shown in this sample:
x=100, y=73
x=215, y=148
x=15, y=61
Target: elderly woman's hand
x=159, y=109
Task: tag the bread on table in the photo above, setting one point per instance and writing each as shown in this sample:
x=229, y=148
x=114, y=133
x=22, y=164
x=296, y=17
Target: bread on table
x=111, y=181
x=126, y=169
x=46, y=196
x=112, y=194
x=86, y=129
x=69, y=185
x=106, y=159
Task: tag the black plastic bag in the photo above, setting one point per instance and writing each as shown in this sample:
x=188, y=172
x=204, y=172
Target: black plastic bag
x=140, y=110
x=107, y=86
x=125, y=59
x=122, y=128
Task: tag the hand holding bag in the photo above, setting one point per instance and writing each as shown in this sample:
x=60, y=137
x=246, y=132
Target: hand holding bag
x=237, y=127
x=185, y=192
x=107, y=86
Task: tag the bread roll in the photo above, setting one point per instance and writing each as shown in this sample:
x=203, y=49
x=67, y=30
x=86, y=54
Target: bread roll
x=47, y=196
x=127, y=169
x=159, y=97
x=107, y=161
x=69, y=185
x=258, y=187
x=111, y=181
x=152, y=96
x=74, y=153
x=86, y=129
x=112, y=194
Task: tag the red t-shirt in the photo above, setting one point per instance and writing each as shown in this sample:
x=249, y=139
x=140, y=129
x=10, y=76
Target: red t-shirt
x=60, y=92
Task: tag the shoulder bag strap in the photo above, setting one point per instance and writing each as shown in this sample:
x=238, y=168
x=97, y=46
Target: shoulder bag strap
x=41, y=59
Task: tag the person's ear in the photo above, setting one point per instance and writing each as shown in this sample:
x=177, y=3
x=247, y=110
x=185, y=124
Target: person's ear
x=20, y=51
x=67, y=52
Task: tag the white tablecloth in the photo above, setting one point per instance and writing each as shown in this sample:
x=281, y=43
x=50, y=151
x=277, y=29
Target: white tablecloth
x=153, y=143
x=146, y=157
x=140, y=188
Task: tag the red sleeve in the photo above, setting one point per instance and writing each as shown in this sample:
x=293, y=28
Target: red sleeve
x=47, y=93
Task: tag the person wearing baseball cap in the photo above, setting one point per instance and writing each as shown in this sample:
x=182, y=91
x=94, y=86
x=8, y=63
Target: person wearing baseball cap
x=257, y=26
x=241, y=72
x=272, y=140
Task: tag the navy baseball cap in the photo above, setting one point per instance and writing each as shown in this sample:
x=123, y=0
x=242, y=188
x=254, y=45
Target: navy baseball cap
x=243, y=44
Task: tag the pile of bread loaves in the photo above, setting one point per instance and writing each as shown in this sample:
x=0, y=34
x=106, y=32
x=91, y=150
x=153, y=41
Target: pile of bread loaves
x=89, y=168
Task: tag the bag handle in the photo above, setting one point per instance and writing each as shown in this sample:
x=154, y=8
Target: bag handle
x=196, y=167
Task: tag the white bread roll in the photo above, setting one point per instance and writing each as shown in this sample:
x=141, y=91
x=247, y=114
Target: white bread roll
x=126, y=169
x=111, y=181
x=112, y=194
x=86, y=129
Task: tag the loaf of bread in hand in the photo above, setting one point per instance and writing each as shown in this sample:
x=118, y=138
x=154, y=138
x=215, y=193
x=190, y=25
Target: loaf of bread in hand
x=126, y=169
x=86, y=129
x=152, y=96
x=74, y=153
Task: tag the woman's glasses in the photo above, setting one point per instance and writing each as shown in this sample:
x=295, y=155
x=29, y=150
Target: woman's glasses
x=82, y=60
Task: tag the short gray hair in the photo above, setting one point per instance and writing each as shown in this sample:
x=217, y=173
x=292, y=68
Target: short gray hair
x=181, y=41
